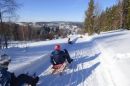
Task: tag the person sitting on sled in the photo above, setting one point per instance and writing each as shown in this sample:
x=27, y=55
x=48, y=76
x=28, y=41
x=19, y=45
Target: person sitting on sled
x=59, y=56
x=9, y=79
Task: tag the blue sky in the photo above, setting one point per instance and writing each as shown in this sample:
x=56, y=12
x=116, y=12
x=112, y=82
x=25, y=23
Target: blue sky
x=57, y=10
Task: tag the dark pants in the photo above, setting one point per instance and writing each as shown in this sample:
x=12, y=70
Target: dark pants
x=68, y=58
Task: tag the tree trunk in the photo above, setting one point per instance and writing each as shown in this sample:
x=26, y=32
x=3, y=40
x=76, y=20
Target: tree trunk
x=1, y=24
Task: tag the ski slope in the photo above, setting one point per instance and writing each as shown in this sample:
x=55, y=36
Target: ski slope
x=99, y=60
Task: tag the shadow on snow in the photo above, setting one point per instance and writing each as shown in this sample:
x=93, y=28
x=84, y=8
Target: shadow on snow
x=84, y=59
x=66, y=79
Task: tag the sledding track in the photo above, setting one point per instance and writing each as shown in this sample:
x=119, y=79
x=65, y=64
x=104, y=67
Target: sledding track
x=93, y=63
x=81, y=73
x=88, y=69
x=85, y=62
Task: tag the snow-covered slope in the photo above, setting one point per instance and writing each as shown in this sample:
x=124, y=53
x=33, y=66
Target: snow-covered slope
x=99, y=60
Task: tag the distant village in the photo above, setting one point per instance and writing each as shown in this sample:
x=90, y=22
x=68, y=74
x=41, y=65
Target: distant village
x=48, y=30
x=38, y=31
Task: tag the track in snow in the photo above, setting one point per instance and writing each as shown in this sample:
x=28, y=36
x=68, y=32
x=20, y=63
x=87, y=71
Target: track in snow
x=85, y=62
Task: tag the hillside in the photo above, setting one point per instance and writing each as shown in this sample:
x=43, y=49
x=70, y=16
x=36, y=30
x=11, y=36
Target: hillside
x=99, y=60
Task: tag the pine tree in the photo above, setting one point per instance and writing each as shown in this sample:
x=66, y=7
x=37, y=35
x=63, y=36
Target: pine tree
x=126, y=14
x=120, y=12
x=89, y=20
x=128, y=17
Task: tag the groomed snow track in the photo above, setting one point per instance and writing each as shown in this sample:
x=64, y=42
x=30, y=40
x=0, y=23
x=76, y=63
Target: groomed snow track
x=93, y=65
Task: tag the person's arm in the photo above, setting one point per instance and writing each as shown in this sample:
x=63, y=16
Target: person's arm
x=52, y=60
x=66, y=51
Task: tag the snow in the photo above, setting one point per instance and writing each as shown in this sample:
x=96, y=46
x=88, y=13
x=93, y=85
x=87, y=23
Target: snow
x=99, y=60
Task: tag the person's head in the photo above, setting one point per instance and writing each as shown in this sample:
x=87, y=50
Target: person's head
x=4, y=61
x=57, y=47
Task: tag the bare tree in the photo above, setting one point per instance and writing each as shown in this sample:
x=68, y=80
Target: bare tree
x=7, y=10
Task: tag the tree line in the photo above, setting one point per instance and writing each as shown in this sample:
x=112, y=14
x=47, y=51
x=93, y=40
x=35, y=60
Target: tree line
x=112, y=18
x=16, y=32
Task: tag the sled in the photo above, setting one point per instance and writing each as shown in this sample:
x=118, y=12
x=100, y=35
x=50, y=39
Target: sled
x=59, y=68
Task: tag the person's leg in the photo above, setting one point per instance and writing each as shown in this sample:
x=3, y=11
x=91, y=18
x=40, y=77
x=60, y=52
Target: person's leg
x=69, y=59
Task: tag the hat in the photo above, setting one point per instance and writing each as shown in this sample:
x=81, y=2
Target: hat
x=57, y=47
x=4, y=60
